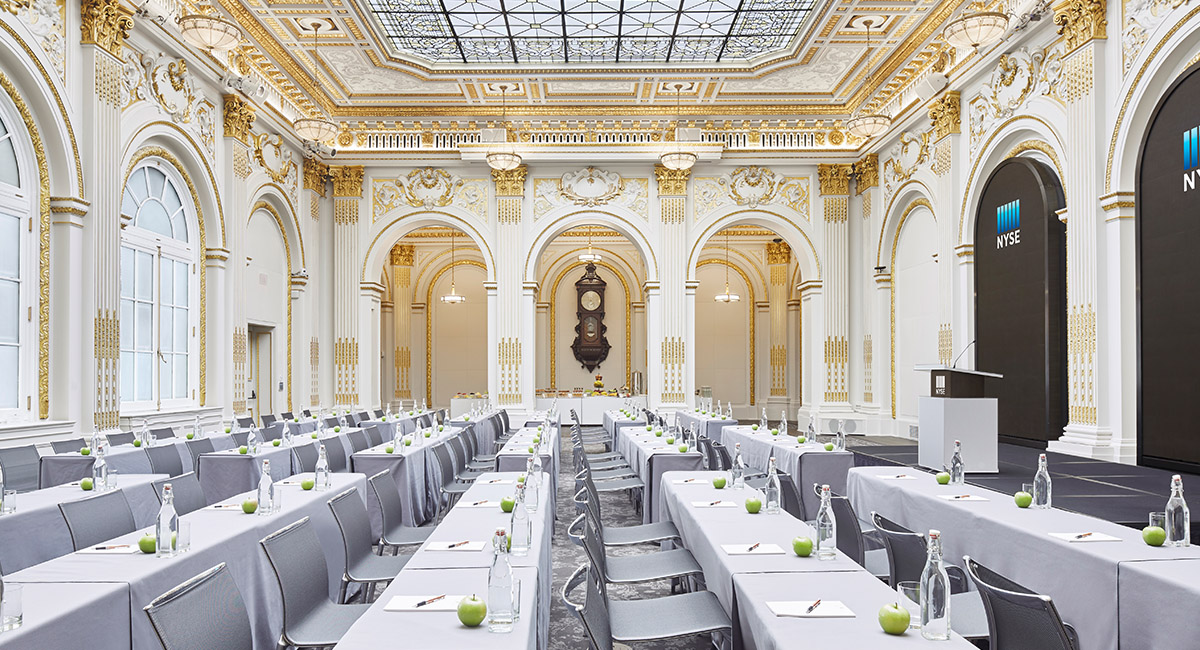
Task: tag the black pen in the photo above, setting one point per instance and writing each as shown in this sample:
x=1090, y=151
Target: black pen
x=430, y=601
x=457, y=544
x=713, y=503
x=756, y=545
x=1082, y=535
x=110, y=548
x=812, y=607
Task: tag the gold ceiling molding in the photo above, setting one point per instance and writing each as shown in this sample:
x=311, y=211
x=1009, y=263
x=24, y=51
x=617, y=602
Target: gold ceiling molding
x=1080, y=22
x=238, y=117
x=834, y=179
x=945, y=114
x=402, y=254
x=671, y=182
x=778, y=252
x=315, y=175
x=510, y=183
x=347, y=181
x=105, y=23
x=866, y=171
x=262, y=142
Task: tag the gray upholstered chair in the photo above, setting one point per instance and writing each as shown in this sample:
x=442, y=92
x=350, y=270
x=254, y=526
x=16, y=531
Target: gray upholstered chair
x=1018, y=618
x=658, y=531
x=163, y=433
x=125, y=438
x=20, y=467
x=358, y=440
x=630, y=569
x=273, y=431
x=97, y=519
x=267, y=419
x=850, y=539
x=196, y=448
x=165, y=460
x=452, y=487
x=463, y=460
x=67, y=446
x=205, y=612
x=335, y=455
x=245, y=422
x=310, y=618
x=374, y=436
x=189, y=496
x=395, y=533
x=306, y=457
x=362, y=566
x=240, y=438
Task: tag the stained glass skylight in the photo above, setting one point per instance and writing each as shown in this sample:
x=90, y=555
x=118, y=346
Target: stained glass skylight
x=590, y=31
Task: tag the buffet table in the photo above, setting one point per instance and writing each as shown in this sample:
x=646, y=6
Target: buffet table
x=590, y=409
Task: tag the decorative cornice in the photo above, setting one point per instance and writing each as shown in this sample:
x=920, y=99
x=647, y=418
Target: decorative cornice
x=1080, y=22
x=511, y=182
x=238, y=117
x=315, y=175
x=945, y=114
x=105, y=23
x=671, y=182
x=834, y=179
x=867, y=172
x=347, y=181
x=402, y=254
x=778, y=252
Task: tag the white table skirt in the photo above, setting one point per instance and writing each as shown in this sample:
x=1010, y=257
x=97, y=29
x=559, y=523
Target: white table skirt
x=56, y=469
x=642, y=450
x=72, y=615
x=406, y=464
x=705, y=425
x=1156, y=601
x=805, y=464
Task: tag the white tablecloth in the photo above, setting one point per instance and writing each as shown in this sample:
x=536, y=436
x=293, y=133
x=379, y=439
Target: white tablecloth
x=229, y=472
x=650, y=456
x=406, y=464
x=705, y=425
x=1156, y=601
x=72, y=615
x=805, y=463
x=56, y=469
x=515, y=452
x=614, y=420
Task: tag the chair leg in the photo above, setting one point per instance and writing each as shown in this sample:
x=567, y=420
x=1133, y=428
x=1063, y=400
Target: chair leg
x=342, y=591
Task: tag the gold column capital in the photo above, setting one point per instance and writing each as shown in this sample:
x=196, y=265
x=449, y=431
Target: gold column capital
x=402, y=254
x=511, y=182
x=238, y=117
x=778, y=252
x=347, y=181
x=867, y=172
x=945, y=114
x=834, y=179
x=671, y=182
x=315, y=174
x=1080, y=22
x=105, y=23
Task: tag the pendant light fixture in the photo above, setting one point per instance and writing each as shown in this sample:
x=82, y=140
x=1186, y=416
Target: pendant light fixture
x=976, y=27
x=675, y=158
x=503, y=158
x=727, y=297
x=209, y=31
x=868, y=125
x=452, y=298
x=589, y=256
x=317, y=129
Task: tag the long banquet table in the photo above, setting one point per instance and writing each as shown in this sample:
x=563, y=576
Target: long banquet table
x=1156, y=601
x=616, y=420
x=56, y=469
x=806, y=463
x=71, y=615
x=1081, y=577
x=706, y=425
x=650, y=457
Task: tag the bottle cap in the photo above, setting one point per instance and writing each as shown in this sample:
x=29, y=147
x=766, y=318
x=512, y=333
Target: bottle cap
x=935, y=534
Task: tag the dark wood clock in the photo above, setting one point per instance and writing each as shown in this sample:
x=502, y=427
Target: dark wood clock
x=590, y=346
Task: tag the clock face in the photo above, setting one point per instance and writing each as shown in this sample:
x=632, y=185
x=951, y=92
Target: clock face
x=590, y=301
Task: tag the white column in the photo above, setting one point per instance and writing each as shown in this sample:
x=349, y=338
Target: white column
x=347, y=360
x=835, y=193
x=779, y=258
x=667, y=303
x=238, y=118
x=507, y=379
x=870, y=201
x=70, y=359
x=401, y=369
x=531, y=322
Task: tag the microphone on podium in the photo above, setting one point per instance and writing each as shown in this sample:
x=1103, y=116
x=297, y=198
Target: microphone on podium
x=964, y=351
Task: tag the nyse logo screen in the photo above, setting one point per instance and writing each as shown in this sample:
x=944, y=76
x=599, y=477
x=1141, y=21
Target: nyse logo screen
x=1008, y=224
x=1191, y=157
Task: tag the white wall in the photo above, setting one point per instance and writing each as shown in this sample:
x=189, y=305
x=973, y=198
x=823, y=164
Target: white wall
x=915, y=283
x=459, y=336
x=570, y=373
x=266, y=296
x=723, y=336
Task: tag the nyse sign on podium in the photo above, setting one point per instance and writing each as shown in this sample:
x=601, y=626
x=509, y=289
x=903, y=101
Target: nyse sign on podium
x=1191, y=157
x=1008, y=224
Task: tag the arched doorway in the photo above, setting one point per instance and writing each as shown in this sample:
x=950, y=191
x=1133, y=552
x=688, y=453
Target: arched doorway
x=916, y=306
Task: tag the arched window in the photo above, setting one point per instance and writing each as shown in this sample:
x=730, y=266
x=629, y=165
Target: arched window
x=157, y=289
x=16, y=291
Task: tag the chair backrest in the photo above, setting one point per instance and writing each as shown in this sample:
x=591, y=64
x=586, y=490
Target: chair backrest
x=96, y=519
x=905, y=550
x=306, y=457
x=445, y=463
x=1018, y=618
x=440, y=416
x=163, y=433
x=460, y=452
x=374, y=436
x=335, y=455
x=299, y=563
x=240, y=438
x=723, y=458
x=789, y=498
x=378, y=413
x=306, y=413
x=165, y=460
x=352, y=419
x=351, y=515
x=274, y=430
x=363, y=416
x=115, y=439
x=245, y=422
x=849, y=533
x=387, y=492
x=20, y=467
x=288, y=416
x=505, y=421
x=594, y=615
x=358, y=440
x=67, y=446
x=267, y=419
x=197, y=447
x=593, y=545
x=189, y=496
x=205, y=612
x=331, y=422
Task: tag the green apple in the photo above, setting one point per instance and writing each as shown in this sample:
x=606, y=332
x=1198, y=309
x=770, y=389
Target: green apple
x=243, y=450
x=671, y=440
x=249, y=506
x=943, y=478
x=539, y=427
x=428, y=434
x=190, y=436
x=754, y=427
x=85, y=451
x=829, y=446
x=337, y=429
x=466, y=418
x=658, y=433
x=389, y=449
x=803, y=546
x=536, y=440
x=86, y=484
x=531, y=450
x=507, y=504
x=296, y=420
x=314, y=435
x=1154, y=535
x=276, y=443
x=147, y=544
x=753, y=505
x=226, y=429
x=649, y=427
x=719, y=482
x=471, y=611
x=441, y=427
x=137, y=443
x=521, y=478
x=408, y=442
x=307, y=484
x=774, y=432
x=1023, y=499
x=894, y=619
x=683, y=449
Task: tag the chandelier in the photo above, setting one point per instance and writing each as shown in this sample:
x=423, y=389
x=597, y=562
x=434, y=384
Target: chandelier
x=209, y=33
x=503, y=158
x=977, y=27
x=727, y=297
x=452, y=298
x=676, y=158
x=317, y=129
x=868, y=125
x=589, y=256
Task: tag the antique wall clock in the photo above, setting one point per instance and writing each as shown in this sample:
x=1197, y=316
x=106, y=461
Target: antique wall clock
x=590, y=346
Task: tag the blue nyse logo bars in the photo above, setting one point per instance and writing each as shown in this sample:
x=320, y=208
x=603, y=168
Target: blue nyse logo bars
x=1191, y=157
x=1008, y=224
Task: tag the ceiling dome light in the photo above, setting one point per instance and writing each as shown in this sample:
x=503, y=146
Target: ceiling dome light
x=727, y=297
x=976, y=27
x=590, y=256
x=504, y=161
x=317, y=129
x=678, y=160
x=210, y=33
x=453, y=298
x=868, y=125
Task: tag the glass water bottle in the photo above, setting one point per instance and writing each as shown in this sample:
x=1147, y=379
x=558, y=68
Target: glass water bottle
x=1041, y=485
x=826, y=528
x=322, y=479
x=500, y=586
x=1178, y=518
x=167, y=525
x=738, y=471
x=772, y=489
x=266, y=490
x=935, y=593
x=957, y=473
x=763, y=425
x=522, y=525
x=533, y=482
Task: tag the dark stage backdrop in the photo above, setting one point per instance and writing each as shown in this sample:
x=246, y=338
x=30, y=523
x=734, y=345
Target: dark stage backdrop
x=1020, y=300
x=1168, y=279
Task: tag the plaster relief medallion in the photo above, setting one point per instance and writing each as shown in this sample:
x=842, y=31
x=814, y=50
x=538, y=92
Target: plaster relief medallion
x=429, y=187
x=591, y=186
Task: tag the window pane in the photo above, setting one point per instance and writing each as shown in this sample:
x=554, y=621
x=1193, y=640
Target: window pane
x=144, y=287
x=165, y=375
x=137, y=185
x=127, y=272
x=181, y=284
x=171, y=199
x=129, y=204
x=157, y=180
x=10, y=246
x=164, y=328
x=154, y=217
x=10, y=311
x=166, y=284
x=9, y=172
x=126, y=324
x=127, y=371
x=9, y=383
x=179, y=219
x=143, y=330
x=145, y=376
x=181, y=330
x=181, y=375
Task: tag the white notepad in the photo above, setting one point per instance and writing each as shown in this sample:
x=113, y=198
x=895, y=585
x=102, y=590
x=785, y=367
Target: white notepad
x=799, y=609
x=744, y=549
x=409, y=604
x=898, y=477
x=962, y=497
x=103, y=549
x=1093, y=537
x=711, y=504
x=446, y=546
